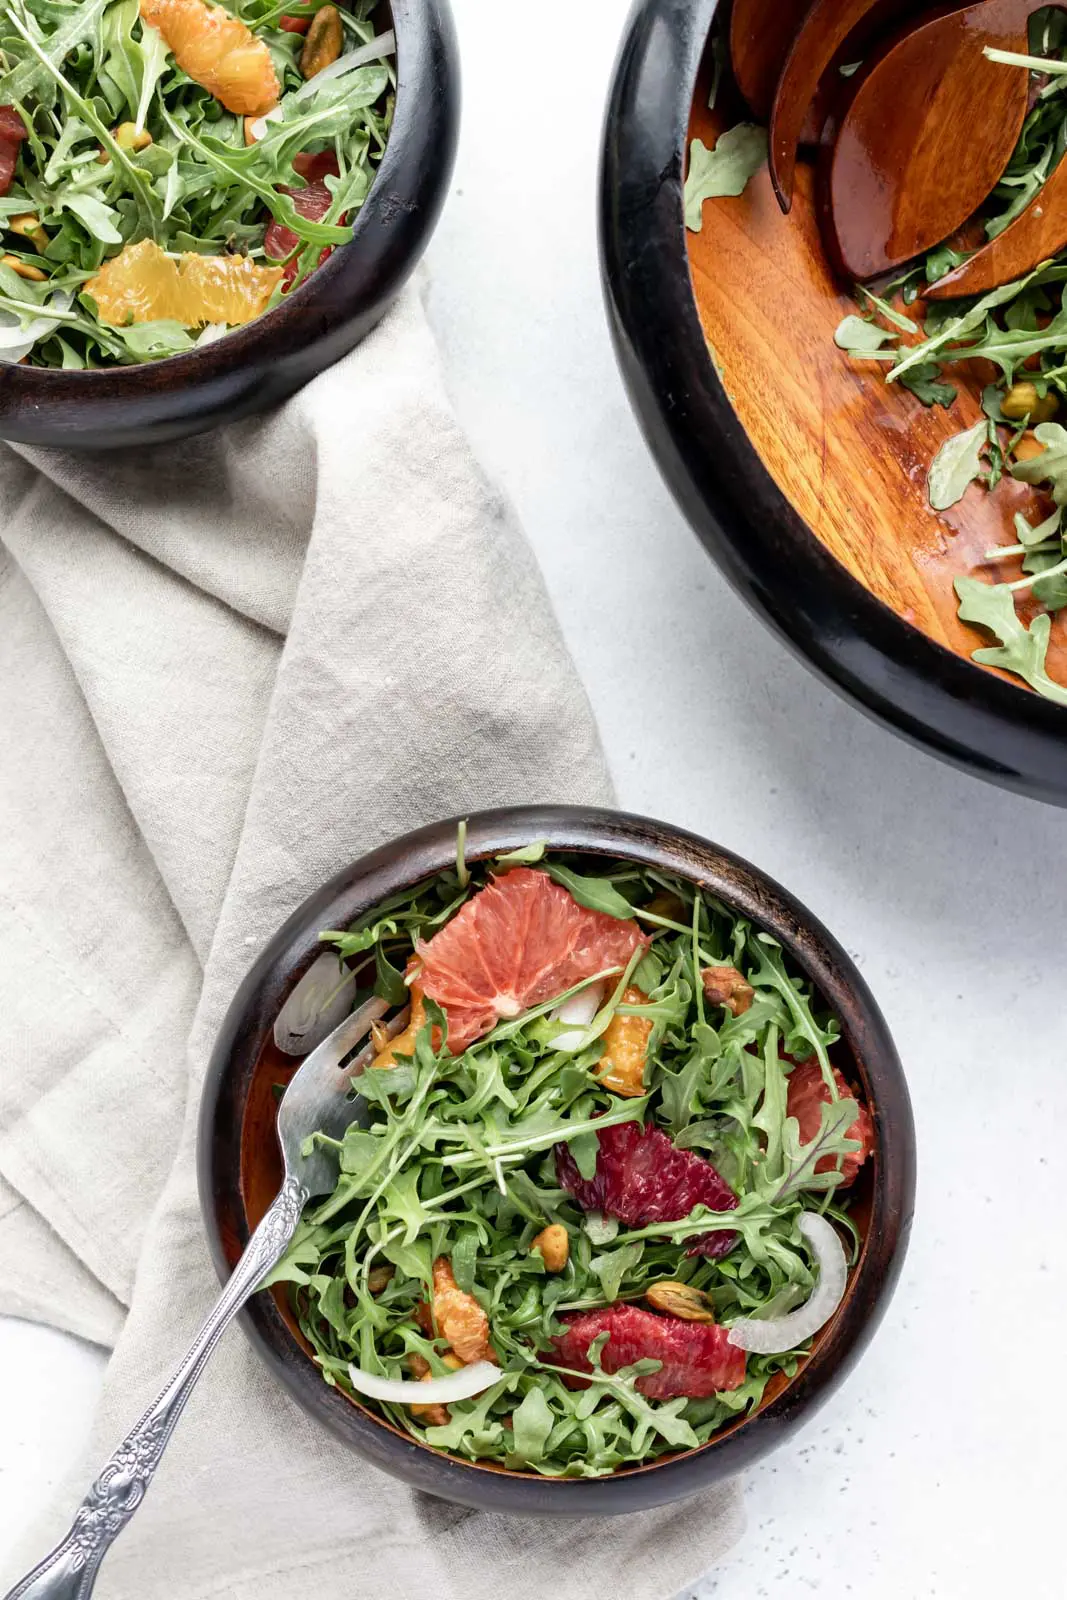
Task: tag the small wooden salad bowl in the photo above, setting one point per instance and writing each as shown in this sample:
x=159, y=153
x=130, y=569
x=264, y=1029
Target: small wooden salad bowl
x=240, y=1168
x=262, y=363
x=803, y=473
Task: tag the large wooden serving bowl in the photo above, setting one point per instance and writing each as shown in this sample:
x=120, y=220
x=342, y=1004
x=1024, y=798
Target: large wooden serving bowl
x=240, y=1171
x=803, y=472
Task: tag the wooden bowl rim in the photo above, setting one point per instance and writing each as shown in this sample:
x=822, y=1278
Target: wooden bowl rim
x=164, y=399
x=854, y=641
x=745, y=888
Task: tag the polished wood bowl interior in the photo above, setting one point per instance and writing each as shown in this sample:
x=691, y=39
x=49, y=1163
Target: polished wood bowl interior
x=850, y=452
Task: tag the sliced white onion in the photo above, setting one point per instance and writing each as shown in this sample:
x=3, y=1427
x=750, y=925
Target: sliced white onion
x=578, y=1011
x=257, y=126
x=772, y=1336
x=462, y=1385
x=373, y=50
x=321, y=1000
x=211, y=332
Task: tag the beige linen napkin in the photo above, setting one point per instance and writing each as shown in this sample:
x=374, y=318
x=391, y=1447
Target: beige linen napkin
x=228, y=668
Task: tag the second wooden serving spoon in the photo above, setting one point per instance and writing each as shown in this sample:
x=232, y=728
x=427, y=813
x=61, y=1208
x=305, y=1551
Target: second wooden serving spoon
x=826, y=27
x=930, y=129
x=1035, y=234
x=762, y=35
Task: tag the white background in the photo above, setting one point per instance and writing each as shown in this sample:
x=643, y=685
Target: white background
x=938, y=1468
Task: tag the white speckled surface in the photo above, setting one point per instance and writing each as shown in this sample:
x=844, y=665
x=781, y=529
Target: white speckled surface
x=937, y=1471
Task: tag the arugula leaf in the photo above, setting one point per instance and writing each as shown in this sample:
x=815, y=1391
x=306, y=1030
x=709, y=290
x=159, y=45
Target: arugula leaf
x=532, y=1422
x=612, y=1268
x=1029, y=536
x=796, y=1172
x=927, y=384
x=738, y=155
x=596, y=894
x=888, y=311
x=29, y=77
x=528, y=855
x=1051, y=466
x=956, y=466
x=859, y=336
x=959, y=324
x=1021, y=650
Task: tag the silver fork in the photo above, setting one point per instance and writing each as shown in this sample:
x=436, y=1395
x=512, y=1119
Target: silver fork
x=316, y=1100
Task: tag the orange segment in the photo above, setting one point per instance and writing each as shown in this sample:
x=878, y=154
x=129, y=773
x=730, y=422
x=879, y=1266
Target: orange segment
x=230, y=289
x=459, y=1316
x=622, y=1066
x=218, y=52
x=404, y=1043
x=144, y=284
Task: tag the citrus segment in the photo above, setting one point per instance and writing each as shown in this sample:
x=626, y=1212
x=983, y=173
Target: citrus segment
x=641, y=1178
x=622, y=1066
x=218, y=52
x=12, y=133
x=808, y=1093
x=697, y=1358
x=143, y=284
x=516, y=943
x=313, y=201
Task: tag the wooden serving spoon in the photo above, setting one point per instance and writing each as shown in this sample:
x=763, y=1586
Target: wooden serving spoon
x=893, y=112
x=826, y=27
x=761, y=33
x=930, y=129
x=1036, y=234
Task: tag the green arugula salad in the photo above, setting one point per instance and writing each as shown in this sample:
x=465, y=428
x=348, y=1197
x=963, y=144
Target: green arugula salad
x=597, y=1196
x=173, y=169
x=1020, y=329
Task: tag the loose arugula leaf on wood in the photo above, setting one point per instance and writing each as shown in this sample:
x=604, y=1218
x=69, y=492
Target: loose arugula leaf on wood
x=860, y=336
x=1021, y=650
x=956, y=466
x=1051, y=466
x=927, y=384
x=738, y=155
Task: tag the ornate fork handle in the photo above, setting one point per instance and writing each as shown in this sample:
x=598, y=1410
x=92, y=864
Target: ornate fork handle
x=69, y=1571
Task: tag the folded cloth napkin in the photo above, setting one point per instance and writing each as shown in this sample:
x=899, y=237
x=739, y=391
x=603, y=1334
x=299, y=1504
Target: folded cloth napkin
x=228, y=668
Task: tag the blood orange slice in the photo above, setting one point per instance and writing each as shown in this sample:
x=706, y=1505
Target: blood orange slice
x=12, y=133
x=640, y=1177
x=697, y=1358
x=519, y=942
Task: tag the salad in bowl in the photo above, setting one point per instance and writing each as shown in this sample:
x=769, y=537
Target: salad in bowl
x=171, y=169
x=598, y=1198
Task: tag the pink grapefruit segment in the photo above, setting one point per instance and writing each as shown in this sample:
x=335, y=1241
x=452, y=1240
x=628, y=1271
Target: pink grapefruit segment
x=518, y=942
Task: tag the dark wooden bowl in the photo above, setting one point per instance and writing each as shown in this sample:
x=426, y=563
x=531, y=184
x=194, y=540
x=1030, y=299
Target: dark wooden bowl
x=240, y=1170
x=255, y=367
x=803, y=474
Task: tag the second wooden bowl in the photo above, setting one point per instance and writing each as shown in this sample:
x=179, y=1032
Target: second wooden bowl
x=259, y=365
x=240, y=1169
x=804, y=476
